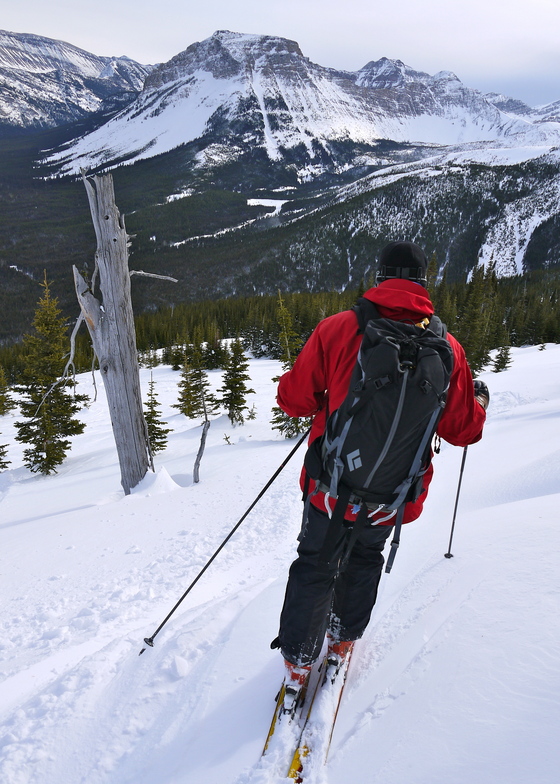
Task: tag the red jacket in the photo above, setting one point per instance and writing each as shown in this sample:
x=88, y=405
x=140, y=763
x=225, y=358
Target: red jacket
x=322, y=373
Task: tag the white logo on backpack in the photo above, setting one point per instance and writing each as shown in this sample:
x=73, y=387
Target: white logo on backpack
x=354, y=460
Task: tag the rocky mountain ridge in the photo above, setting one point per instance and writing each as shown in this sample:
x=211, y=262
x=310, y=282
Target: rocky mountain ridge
x=45, y=83
x=234, y=92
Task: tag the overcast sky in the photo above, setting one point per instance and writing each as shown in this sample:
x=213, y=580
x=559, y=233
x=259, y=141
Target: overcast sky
x=508, y=46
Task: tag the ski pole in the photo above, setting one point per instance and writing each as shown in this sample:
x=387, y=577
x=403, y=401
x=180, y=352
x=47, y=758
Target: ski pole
x=150, y=640
x=449, y=554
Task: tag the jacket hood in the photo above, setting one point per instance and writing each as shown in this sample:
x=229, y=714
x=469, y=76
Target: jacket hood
x=401, y=300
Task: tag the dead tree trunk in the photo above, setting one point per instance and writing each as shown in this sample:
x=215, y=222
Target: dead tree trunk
x=205, y=428
x=111, y=326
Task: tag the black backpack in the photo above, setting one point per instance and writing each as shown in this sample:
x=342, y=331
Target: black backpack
x=376, y=447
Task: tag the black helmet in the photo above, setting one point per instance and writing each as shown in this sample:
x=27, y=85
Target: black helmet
x=403, y=260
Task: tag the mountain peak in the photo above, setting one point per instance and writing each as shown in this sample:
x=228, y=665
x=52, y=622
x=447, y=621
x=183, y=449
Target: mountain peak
x=226, y=55
x=386, y=74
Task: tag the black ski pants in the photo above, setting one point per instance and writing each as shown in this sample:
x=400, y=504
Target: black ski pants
x=322, y=597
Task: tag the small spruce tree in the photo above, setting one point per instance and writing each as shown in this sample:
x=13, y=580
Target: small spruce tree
x=195, y=400
x=7, y=403
x=290, y=345
x=178, y=352
x=502, y=359
x=432, y=273
x=46, y=406
x=477, y=317
x=235, y=390
x=157, y=433
x=3, y=452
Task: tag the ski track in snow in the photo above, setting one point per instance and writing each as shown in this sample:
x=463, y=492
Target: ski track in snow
x=455, y=679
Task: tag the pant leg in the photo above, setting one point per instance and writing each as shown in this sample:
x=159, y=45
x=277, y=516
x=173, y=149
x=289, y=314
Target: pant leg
x=355, y=592
x=308, y=599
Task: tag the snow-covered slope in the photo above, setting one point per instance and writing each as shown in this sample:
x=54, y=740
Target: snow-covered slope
x=510, y=228
x=456, y=679
x=44, y=82
x=238, y=91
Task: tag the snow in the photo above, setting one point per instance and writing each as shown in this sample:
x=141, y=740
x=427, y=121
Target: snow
x=276, y=203
x=456, y=679
x=181, y=115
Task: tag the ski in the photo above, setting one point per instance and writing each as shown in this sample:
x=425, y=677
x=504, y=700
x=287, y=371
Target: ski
x=274, y=722
x=286, y=709
x=330, y=686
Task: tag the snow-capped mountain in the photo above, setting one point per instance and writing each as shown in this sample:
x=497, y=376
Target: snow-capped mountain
x=44, y=83
x=251, y=135
x=234, y=92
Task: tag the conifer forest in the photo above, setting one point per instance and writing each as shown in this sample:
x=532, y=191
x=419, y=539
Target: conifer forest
x=483, y=313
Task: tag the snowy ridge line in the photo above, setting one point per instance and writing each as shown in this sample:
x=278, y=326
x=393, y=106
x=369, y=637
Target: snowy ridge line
x=45, y=82
x=459, y=156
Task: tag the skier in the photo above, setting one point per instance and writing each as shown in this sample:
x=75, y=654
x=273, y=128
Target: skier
x=318, y=600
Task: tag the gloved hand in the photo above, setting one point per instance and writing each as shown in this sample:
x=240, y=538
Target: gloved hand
x=481, y=393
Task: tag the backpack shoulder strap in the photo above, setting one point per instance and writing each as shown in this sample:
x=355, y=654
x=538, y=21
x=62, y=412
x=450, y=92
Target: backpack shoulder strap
x=365, y=310
x=437, y=326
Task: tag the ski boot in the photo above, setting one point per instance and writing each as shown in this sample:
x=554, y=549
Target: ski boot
x=337, y=653
x=295, y=686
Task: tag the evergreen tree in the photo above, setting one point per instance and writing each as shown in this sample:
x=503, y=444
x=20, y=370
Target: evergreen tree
x=157, y=433
x=235, y=390
x=177, y=353
x=432, y=273
x=195, y=400
x=6, y=402
x=477, y=320
x=445, y=303
x=213, y=352
x=3, y=452
x=289, y=340
x=188, y=402
x=150, y=358
x=290, y=345
x=502, y=359
x=47, y=407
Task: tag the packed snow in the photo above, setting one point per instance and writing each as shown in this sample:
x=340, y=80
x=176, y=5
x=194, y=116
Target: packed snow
x=456, y=679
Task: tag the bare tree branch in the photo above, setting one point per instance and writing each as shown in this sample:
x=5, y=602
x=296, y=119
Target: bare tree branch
x=153, y=275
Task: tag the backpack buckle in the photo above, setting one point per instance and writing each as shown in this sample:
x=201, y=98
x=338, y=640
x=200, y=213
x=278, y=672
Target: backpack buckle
x=379, y=383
